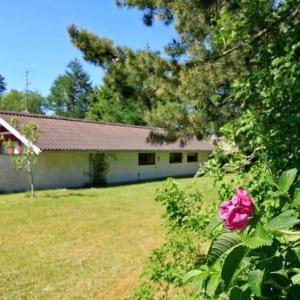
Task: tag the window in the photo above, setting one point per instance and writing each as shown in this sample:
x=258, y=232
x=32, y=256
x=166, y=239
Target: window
x=192, y=157
x=146, y=159
x=175, y=158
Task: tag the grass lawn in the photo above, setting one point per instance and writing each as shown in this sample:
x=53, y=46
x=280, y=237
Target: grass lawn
x=80, y=244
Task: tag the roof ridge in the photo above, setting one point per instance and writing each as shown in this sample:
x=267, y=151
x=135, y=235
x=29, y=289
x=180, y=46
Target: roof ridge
x=40, y=116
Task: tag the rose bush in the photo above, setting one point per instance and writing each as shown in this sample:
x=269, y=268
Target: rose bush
x=256, y=254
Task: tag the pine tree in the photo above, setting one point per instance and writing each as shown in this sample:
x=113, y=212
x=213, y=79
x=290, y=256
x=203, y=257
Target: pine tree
x=70, y=92
x=135, y=80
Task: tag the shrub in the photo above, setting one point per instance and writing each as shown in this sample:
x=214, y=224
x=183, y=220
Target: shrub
x=262, y=259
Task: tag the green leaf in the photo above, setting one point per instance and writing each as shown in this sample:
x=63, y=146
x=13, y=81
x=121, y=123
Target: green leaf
x=221, y=244
x=212, y=284
x=191, y=275
x=286, y=180
x=296, y=201
x=296, y=279
x=199, y=280
x=214, y=223
x=232, y=262
x=270, y=178
x=283, y=221
x=259, y=238
x=280, y=278
x=236, y=293
x=255, y=279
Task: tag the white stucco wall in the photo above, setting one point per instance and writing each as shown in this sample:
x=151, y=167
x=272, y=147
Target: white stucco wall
x=54, y=169
x=71, y=169
x=124, y=167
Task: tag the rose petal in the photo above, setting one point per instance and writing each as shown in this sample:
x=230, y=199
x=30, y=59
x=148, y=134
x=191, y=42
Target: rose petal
x=235, y=200
x=237, y=219
x=225, y=208
x=245, y=198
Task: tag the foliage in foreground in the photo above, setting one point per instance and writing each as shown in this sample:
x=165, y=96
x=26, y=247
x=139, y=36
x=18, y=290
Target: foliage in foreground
x=259, y=260
x=263, y=259
x=185, y=221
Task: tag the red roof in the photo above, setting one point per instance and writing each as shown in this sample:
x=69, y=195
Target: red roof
x=84, y=135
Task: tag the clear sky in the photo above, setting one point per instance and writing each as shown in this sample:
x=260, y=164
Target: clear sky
x=34, y=37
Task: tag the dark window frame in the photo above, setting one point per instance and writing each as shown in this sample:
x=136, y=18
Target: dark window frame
x=146, y=158
x=190, y=155
x=173, y=158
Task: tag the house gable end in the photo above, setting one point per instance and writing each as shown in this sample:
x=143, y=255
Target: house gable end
x=19, y=136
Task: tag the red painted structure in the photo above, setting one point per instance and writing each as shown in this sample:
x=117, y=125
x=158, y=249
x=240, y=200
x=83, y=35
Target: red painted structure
x=9, y=137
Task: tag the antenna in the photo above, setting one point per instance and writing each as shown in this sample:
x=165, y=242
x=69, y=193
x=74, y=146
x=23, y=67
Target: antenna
x=27, y=83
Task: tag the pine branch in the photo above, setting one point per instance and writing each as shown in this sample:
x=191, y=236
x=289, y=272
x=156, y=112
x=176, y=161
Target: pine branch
x=258, y=35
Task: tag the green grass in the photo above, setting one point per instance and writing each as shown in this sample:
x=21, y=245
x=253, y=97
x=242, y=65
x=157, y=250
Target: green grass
x=80, y=244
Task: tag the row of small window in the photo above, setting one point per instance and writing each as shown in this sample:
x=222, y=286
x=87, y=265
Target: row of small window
x=174, y=158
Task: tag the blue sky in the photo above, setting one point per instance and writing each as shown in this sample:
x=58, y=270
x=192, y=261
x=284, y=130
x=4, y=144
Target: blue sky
x=34, y=37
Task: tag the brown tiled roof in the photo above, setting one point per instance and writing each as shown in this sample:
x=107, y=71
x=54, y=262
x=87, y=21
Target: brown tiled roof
x=83, y=135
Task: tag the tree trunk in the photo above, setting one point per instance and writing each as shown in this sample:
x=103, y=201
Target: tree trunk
x=31, y=183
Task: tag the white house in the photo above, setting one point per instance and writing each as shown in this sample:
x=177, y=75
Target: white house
x=76, y=153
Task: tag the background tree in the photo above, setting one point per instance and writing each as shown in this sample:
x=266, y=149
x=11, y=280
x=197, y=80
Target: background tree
x=2, y=85
x=69, y=94
x=104, y=106
x=16, y=101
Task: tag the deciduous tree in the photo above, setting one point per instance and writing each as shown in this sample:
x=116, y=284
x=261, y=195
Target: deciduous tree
x=30, y=101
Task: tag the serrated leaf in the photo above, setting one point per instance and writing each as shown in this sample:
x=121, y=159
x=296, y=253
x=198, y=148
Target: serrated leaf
x=232, y=262
x=286, y=180
x=259, y=238
x=221, y=244
x=283, y=221
x=255, y=279
x=296, y=200
x=289, y=213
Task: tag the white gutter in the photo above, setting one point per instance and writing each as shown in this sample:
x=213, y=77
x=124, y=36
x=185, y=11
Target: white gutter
x=19, y=136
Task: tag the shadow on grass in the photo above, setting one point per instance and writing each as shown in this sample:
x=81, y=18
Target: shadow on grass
x=141, y=181
x=66, y=195
x=72, y=191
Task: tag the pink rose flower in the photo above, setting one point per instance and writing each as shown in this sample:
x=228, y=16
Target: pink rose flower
x=237, y=212
x=243, y=195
